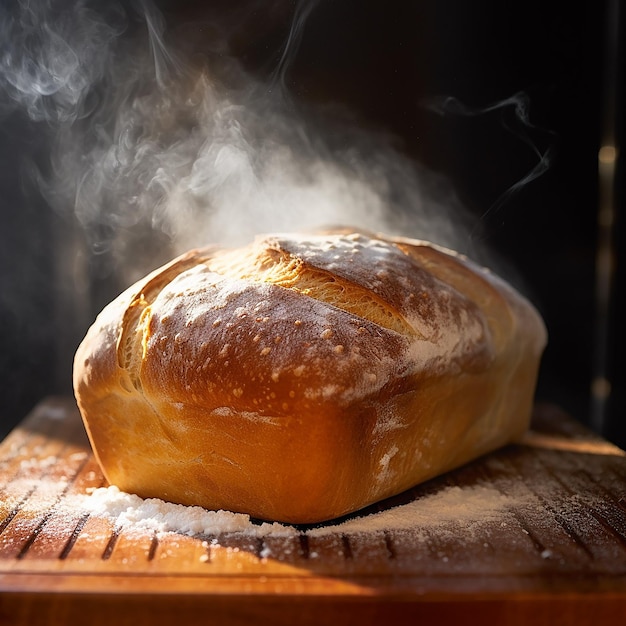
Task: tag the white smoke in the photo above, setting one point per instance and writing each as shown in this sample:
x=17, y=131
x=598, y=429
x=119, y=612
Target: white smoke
x=148, y=143
x=520, y=126
x=53, y=53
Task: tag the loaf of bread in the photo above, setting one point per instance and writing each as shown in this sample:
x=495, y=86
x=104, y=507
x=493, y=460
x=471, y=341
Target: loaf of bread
x=304, y=377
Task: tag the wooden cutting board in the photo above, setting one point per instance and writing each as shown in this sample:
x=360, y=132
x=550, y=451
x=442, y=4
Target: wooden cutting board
x=533, y=532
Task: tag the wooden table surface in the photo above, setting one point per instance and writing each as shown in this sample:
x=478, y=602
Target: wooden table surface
x=534, y=532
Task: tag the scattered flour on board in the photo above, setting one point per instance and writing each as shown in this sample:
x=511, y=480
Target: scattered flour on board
x=452, y=507
x=134, y=513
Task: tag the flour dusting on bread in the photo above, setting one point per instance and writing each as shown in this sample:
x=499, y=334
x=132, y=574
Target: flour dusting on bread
x=304, y=376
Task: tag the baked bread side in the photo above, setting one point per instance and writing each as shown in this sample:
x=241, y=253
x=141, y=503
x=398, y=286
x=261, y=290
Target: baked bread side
x=305, y=376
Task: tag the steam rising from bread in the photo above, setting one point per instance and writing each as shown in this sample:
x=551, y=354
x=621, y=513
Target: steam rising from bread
x=520, y=105
x=53, y=54
x=150, y=143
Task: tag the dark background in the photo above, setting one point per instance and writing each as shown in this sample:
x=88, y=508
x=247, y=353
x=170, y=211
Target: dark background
x=381, y=60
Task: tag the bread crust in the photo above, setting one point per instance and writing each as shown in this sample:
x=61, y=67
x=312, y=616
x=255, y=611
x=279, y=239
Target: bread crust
x=306, y=376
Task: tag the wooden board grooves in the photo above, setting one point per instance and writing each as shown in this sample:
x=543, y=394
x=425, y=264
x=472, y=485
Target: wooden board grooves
x=347, y=548
x=48, y=471
x=305, y=549
x=110, y=546
x=33, y=536
x=154, y=544
x=391, y=550
x=607, y=494
x=69, y=544
x=609, y=526
x=552, y=474
x=530, y=533
x=207, y=557
x=14, y=511
x=570, y=532
x=550, y=493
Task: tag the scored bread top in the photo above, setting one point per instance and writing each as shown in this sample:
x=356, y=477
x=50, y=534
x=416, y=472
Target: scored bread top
x=289, y=323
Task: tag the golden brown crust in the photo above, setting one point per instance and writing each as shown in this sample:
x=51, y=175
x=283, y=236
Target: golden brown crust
x=305, y=376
